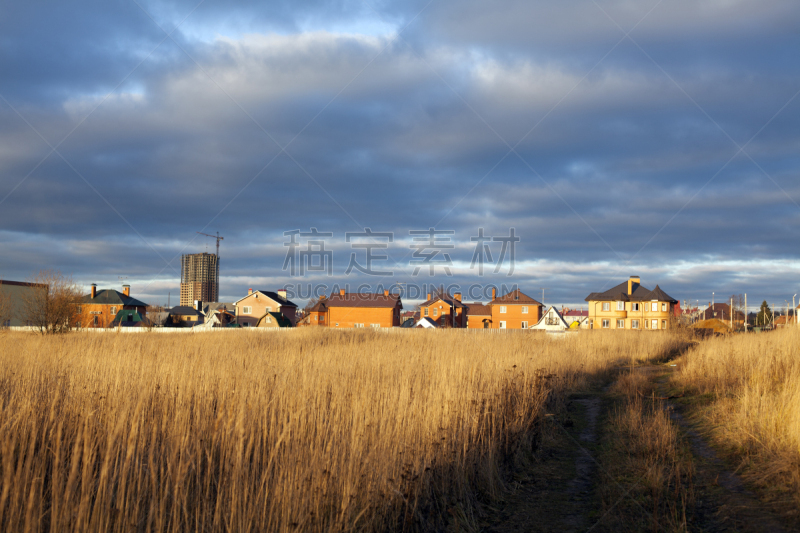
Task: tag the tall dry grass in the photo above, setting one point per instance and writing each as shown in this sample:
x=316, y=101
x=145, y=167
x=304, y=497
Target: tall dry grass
x=753, y=384
x=308, y=430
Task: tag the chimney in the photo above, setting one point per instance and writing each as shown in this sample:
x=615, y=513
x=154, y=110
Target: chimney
x=249, y=292
x=429, y=297
x=341, y=292
x=126, y=290
x=633, y=284
x=282, y=293
x=494, y=293
x=386, y=293
x=94, y=290
x=457, y=296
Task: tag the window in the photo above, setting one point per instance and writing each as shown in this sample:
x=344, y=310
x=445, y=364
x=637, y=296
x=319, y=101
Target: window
x=646, y=324
x=655, y=324
x=337, y=324
x=113, y=310
x=130, y=317
x=79, y=309
x=634, y=324
x=524, y=325
x=663, y=324
x=94, y=321
x=435, y=312
x=358, y=325
x=375, y=325
x=620, y=324
x=247, y=309
x=620, y=306
x=551, y=320
x=635, y=307
x=268, y=309
x=663, y=307
x=654, y=306
x=606, y=323
x=321, y=318
x=502, y=324
x=426, y=311
x=606, y=306
x=502, y=308
x=524, y=309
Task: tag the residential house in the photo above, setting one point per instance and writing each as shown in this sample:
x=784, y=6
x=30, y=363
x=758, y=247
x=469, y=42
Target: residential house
x=427, y=322
x=575, y=318
x=630, y=305
x=273, y=319
x=479, y=316
x=318, y=314
x=448, y=311
x=16, y=293
x=254, y=306
x=184, y=316
x=127, y=318
x=359, y=310
x=99, y=308
x=722, y=311
x=514, y=310
x=551, y=321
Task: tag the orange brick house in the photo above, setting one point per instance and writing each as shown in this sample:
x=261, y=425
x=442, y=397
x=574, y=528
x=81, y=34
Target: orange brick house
x=514, y=310
x=445, y=311
x=99, y=308
x=363, y=310
x=317, y=315
x=253, y=307
x=479, y=316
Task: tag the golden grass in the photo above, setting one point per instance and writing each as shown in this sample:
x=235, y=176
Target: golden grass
x=307, y=430
x=753, y=383
x=648, y=458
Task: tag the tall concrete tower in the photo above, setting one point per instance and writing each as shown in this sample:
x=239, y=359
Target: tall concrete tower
x=199, y=275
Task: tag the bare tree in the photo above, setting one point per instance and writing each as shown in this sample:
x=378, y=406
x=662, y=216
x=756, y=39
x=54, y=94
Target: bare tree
x=5, y=309
x=51, y=306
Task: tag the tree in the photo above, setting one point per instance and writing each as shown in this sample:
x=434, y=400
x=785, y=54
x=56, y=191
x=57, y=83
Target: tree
x=764, y=316
x=52, y=304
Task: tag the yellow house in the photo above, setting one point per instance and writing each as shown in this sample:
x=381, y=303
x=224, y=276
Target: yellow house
x=629, y=305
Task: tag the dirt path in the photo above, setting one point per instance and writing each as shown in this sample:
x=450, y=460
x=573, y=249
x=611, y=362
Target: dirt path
x=560, y=489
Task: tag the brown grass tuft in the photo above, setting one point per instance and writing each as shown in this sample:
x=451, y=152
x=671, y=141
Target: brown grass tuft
x=308, y=430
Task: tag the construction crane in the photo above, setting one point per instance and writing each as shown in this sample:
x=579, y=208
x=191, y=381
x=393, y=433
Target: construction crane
x=216, y=277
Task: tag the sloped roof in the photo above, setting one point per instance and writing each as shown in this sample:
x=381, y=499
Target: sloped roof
x=355, y=299
x=121, y=319
x=111, y=297
x=446, y=299
x=269, y=294
x=640, y=294
x=185, y=310
x=478, y=309
x=515, y=297
x=576, y=312
x=281, y=320
x=542, y=324
x=427, y=322
x=210, y=307
x=319, y=307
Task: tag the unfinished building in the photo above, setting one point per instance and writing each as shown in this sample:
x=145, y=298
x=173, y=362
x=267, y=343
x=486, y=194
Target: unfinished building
x=199, y=278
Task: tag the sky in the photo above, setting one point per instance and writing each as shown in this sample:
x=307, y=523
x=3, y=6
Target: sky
x=613, y=137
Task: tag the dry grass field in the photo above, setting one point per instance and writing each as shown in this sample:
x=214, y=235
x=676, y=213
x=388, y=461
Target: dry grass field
x=301, y=431
x=752, y=384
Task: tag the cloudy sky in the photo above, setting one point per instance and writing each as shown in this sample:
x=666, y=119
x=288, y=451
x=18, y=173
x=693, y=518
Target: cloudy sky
x=656, y=138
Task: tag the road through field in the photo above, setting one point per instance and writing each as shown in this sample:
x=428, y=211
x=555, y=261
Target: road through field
x=590, y=475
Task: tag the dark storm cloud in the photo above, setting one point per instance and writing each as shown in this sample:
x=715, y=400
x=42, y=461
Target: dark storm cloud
x=625, y=158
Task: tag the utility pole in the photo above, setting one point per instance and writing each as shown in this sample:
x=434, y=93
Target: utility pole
x=731, y=313
x=745, y=312
x=543, y=289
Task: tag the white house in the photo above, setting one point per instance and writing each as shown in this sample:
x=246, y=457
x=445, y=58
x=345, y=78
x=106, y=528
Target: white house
x=551, y=321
